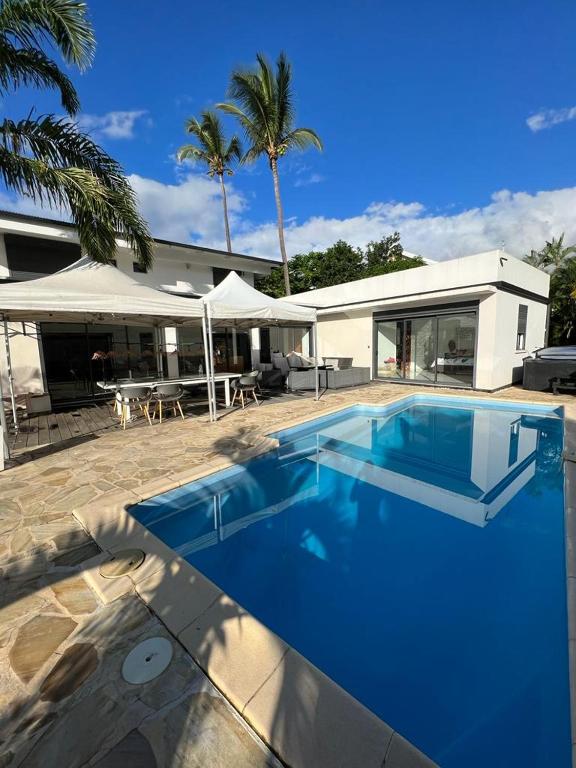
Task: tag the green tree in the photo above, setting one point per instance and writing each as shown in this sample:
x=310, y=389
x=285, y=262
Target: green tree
x=48, y=159
x=387, y=255
x=340, y=263
x=552, y=256
x=558, y=260
x=215, y=151
x=263, y=103
x=562, y=303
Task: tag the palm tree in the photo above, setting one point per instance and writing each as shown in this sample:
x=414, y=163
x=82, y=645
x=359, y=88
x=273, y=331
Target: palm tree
x=47, y=158
x=215, y=151
x=552, y=256
x=264, y=106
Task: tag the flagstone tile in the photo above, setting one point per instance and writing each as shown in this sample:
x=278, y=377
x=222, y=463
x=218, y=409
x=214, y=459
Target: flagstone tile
x=36, y=641
x=71, y=670
x=75, y=595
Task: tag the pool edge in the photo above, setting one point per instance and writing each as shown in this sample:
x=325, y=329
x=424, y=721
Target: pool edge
x=570, y=550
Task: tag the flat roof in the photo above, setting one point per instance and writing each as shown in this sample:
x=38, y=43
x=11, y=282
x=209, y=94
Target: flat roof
x=496, y=269
x=172, y=243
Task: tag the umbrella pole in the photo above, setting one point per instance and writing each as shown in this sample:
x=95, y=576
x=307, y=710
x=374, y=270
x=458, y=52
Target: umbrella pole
x=207, y=363
x=315, y=337
x=4, y=447
x=211, y=347
x=10, y=375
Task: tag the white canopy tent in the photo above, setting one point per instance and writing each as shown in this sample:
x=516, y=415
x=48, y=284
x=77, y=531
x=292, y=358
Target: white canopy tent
x=235, y=303
x=87, y=291
x=90, y=292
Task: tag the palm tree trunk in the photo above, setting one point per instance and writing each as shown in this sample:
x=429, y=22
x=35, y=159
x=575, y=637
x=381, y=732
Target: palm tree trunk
x=280, y=212
x=225, y=204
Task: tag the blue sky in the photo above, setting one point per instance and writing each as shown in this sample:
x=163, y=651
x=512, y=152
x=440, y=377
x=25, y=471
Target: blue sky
x=422, y=107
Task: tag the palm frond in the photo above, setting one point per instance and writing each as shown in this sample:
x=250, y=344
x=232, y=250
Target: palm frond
x=302, y=138
x=233, y=150
x=284, y=95
x=213, y=149
x=191, y=152
x=247, y=90
x=62, y=23
x=31, y=67
x=53, y=163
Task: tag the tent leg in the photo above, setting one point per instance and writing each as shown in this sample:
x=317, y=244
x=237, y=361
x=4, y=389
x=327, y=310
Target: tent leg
x=4, y=447
x=211, y=348
x=317, y=375
x=207, y=364
x=10, y=375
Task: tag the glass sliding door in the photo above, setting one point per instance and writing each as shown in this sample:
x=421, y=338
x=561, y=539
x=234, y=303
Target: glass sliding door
x=432, y=349
x=77, y=356
x=456, y=349
x=420, y=349
x=390, y=349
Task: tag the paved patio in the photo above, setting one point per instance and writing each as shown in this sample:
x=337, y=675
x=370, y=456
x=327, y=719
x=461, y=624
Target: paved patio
x=62, y=698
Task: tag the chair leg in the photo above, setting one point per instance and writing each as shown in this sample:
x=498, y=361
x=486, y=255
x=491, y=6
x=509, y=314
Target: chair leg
x=234, y=398
x=242, y=398
x=123, y=418
x=160, y=408
x=180, y=409
x=146, y=410
x=255, y=398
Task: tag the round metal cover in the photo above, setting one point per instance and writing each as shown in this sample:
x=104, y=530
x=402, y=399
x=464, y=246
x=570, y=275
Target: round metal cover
x=147, y=660
x=121, y=563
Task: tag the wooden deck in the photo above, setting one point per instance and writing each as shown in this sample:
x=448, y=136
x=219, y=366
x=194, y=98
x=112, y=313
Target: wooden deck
x=52, y=428
x=84, y=421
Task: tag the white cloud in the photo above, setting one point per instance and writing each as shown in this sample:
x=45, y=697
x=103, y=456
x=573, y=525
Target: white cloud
x=112, y=125
x=547, y=118
x=314, y=178
x=516, y=221
x=189, y=210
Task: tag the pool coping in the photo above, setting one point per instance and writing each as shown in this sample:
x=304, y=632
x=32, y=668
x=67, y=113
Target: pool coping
x=269, y=683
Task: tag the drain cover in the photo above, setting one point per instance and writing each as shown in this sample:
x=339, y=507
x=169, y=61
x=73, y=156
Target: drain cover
x=121, y=563
x=148, y=660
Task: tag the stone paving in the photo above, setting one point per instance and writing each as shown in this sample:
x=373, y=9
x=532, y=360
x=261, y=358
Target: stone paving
x=63, y=701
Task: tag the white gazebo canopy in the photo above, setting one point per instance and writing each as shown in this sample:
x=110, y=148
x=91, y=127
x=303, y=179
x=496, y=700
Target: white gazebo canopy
x=237, y=303
x=90, y=292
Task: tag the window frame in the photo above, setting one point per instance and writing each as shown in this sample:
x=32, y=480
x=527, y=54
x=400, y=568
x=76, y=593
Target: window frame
x=521, y=327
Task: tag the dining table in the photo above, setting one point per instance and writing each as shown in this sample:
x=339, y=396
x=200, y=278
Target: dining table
x=223, y=378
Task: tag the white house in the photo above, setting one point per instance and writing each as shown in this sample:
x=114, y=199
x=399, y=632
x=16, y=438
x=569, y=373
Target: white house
x=466, y=322
x=66, y=359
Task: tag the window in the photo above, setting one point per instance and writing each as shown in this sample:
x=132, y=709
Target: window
x=218, y=274
x=522, y=322
x=137, y=267
x=37, y=255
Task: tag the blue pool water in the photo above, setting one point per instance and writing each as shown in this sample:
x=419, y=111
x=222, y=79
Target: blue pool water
x=413, y=553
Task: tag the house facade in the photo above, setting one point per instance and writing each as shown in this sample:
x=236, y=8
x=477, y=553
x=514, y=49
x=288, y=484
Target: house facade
x=465, y=322
x=67, y=359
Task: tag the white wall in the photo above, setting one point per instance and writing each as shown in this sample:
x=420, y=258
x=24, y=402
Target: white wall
x=26, y=358
x=347, y=334
x=499, y=363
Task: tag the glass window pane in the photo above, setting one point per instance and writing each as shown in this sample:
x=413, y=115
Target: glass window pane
x=389, y=342
x=420, y=349
x=456, y=349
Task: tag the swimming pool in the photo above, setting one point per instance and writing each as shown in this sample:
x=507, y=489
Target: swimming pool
x=415, y=554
